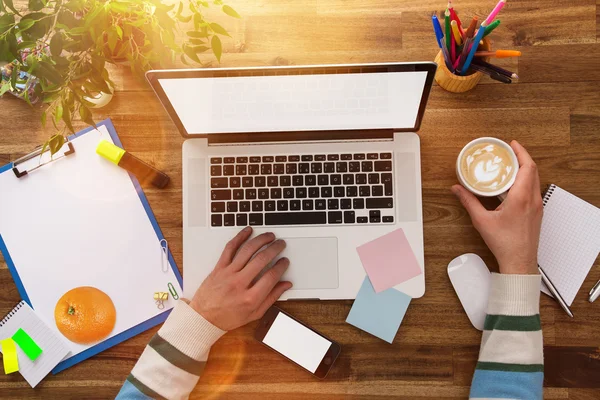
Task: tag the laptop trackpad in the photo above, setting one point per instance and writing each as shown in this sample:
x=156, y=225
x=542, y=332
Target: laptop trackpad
x=313, y=263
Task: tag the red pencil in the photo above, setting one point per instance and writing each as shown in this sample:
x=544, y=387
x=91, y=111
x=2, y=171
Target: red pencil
x=454, y=16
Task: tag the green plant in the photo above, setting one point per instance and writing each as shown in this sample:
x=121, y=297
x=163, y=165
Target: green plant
x=57, y=50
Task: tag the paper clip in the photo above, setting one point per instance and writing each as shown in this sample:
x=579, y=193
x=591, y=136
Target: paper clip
x=160, y=298
x=173, y=291
x=164, y=248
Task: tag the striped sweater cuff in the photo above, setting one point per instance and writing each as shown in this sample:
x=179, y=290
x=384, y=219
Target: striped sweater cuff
x=517, y=295
x=189, y=332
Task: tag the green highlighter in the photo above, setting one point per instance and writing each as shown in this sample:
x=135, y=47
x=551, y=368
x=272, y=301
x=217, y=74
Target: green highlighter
x=27, y=344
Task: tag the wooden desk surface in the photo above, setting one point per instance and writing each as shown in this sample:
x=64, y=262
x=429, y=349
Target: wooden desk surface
x=554, y=110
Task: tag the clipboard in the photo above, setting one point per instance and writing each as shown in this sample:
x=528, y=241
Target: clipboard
x=9, y=247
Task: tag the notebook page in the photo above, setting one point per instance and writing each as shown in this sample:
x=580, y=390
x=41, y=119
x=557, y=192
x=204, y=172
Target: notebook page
x=54, y=349
x=569, y=241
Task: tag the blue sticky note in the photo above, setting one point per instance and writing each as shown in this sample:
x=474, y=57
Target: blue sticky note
x=379, y=314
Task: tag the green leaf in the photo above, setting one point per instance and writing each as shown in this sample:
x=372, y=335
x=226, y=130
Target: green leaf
x=13, y=76
x=25, y=24
x=25, y=45
x=195, y=34
x=58, y=113
x=183, y=19
x=44, y=122
x=231, y=12
x=35, y=5
x=218, y=29
x=86, y=115
x=67, y=118
x=46, y=143
x=197, y=41
x=191, y=54
x=199, y=49
x=40, y=27
x=6, y=87
x=47, y=71
x=10, y=5
x=120, y=7
x=56, y=44
x=217, y=47
x=119, y=32
x=55, y=143
x=11, y=40
x=183, y=60
x=179, y=9
x=6, y=22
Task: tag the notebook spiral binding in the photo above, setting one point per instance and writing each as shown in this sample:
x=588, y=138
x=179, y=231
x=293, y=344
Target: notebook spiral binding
x=548, y=194
x=10, y=314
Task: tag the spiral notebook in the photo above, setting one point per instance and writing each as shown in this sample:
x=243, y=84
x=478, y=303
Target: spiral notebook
x=569, y=241
x=54, y=349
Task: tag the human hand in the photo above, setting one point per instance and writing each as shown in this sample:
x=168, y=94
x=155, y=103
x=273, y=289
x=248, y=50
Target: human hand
x=227, y=298
x=512, y=231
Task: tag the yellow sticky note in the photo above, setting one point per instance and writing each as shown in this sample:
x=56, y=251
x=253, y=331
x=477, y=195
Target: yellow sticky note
x=9, y=355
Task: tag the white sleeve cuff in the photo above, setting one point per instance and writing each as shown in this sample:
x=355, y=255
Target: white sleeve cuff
x=517, y=295
x=189, y=332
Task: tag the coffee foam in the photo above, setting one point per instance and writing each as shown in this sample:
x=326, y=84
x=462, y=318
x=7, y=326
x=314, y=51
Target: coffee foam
x=487, y=167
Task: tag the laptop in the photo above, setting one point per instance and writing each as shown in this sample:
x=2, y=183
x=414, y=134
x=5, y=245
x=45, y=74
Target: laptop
x=326, y=157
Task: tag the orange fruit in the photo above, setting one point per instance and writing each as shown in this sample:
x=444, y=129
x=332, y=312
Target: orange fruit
x=85, y=315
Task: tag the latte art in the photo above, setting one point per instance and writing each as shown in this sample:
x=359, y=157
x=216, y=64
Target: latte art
x=487, y=167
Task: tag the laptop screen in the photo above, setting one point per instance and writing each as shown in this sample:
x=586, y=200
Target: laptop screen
x=297, y=99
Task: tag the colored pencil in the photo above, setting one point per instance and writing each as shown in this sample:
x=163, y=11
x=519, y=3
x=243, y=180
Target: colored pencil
x=463, y=54
x=492, y=74
x=498, y=53
x=491, y=27
x=447, y=32
x=499, y=70
x=454, y=17
x=446, y=56
x=471, y=29
x=456, y=33
x=473, y=49
x=452, y=48
x=437, y=29
x=494, y=12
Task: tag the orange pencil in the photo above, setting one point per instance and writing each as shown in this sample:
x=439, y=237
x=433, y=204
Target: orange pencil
x=471, y=29
x=498, y=53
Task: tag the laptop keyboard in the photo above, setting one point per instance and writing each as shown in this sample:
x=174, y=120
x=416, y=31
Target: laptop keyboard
x=306, y=189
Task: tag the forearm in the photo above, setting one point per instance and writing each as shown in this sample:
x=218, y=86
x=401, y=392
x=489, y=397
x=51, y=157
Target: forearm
x=173, y=361
x=511, y=357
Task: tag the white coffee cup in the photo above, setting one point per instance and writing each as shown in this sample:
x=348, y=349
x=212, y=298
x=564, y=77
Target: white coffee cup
x=501, y=191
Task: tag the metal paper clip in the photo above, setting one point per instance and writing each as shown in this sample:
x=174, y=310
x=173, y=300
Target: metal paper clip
x=160, y=298
x=164, y=248
x=173, y=291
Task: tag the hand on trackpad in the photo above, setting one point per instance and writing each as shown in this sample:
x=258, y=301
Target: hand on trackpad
x=313, y=263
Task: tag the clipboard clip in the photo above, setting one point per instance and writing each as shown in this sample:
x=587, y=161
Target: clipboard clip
x=38, y=152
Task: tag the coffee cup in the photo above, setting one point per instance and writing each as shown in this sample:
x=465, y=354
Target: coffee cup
x=487, y=167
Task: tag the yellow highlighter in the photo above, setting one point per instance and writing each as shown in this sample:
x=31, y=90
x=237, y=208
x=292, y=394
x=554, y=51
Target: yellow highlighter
x=144, y=172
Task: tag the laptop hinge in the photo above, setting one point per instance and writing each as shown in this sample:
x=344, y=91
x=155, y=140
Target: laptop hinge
x=301, y=137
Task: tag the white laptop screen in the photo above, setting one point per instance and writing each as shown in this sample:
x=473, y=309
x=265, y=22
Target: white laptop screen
x=299, y=102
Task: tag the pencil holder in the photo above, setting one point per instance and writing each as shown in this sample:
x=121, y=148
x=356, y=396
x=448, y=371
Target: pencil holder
x=457, y=83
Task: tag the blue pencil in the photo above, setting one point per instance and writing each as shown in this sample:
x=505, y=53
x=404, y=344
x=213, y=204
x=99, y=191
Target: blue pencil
x=476, y=41
x=439, y=35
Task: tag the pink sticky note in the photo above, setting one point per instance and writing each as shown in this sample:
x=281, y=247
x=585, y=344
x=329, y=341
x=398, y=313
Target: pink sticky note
x=389, y=260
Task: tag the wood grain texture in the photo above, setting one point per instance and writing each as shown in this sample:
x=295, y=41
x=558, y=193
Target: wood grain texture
x=554, y=110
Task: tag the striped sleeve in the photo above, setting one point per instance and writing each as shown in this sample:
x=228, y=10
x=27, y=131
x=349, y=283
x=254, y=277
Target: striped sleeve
x=511, y=357
x=173, y=361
